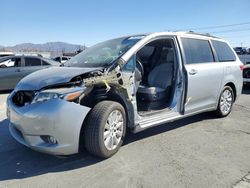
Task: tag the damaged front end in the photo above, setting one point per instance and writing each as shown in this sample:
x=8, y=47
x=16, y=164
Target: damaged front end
x=70, y=87
x=49, y=118
x=48, y=108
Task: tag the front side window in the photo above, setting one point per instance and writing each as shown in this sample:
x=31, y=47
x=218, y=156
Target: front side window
x=10, y=62
x=130, y=65
x=223, y=51
x=197, y=51
x=30, y=61
x=103, y=54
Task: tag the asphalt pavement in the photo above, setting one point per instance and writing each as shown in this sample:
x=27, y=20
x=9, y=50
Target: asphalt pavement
x=199, y=151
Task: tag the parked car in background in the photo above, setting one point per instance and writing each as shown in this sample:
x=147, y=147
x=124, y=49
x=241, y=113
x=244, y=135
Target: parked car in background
x=14, y=68
x=6, y=62
x=240, y=50
x=246, y=74
x=62, y=59
x=248, y=50
x=133, y=82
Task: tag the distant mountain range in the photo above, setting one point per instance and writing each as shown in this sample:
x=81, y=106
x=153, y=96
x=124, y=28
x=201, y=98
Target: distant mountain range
x=47, y=47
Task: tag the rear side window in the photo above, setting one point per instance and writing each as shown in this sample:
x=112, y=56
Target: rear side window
x=197, y=51
x=29, y=61
x=223, y=51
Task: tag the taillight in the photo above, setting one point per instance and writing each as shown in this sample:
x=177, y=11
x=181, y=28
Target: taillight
x=241, y=67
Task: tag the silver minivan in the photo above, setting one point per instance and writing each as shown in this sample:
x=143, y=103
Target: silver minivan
x=133, y=82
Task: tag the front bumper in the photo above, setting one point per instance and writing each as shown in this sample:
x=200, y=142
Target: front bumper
x=58, y=118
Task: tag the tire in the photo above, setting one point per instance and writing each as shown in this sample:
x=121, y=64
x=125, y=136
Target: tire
x=109, y=118
x=3, y=66
x=225, y=103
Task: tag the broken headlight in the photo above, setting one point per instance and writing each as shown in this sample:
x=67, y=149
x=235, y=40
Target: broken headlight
x=69, y=94
x=45, y=96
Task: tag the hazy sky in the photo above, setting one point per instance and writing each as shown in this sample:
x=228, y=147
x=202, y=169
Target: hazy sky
x=91, y=21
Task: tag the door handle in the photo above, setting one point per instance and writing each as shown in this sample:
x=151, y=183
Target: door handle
x=193, y=72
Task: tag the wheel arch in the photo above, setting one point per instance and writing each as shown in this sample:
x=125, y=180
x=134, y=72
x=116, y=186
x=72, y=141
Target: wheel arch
x=231, y=84
x=116, y=96
x=121, y=98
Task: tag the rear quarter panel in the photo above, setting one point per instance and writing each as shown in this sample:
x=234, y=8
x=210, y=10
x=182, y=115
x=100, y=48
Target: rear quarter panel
x=233, y=74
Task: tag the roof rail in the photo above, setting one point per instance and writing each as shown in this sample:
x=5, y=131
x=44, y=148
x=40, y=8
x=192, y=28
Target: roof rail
x=201, y=34
x=28, y=54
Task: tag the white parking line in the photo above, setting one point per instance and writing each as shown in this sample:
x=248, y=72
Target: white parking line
x=3, y=106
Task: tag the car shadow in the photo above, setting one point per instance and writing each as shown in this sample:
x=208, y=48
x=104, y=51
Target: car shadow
x=5, y=91
x=20, y=162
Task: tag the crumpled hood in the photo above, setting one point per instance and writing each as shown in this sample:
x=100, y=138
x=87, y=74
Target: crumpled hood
x=51, y=76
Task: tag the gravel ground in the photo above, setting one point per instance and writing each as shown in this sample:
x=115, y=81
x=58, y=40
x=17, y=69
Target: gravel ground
x=200, y=151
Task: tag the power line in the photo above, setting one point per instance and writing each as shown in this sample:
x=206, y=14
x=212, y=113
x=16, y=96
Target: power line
x=217, y=26
x=236, y=36
x=230, y=31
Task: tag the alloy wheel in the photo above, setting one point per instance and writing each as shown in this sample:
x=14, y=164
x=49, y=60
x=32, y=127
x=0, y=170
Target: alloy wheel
x=113, y=130
x=226, y=101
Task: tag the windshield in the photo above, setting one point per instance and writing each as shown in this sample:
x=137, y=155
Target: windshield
x=104, y=53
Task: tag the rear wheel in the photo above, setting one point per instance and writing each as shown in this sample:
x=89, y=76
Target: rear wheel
x=225, y=103
x=105, y=129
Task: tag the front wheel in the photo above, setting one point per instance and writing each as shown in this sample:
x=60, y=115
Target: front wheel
x=225, y=103
x=105, y=129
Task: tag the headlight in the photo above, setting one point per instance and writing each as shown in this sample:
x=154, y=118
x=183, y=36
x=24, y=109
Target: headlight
x=69, y=94
x=45, y=96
